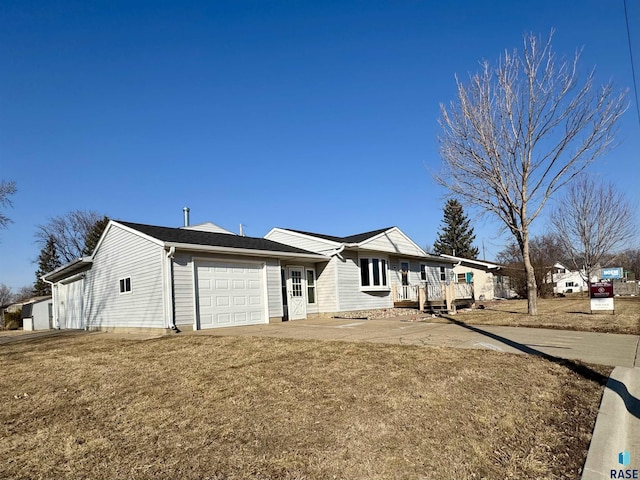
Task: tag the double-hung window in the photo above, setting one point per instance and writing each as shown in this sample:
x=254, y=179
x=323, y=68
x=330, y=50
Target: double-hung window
x=443, y=274
x=373, y=272
x=423, y=272
x=311, y=286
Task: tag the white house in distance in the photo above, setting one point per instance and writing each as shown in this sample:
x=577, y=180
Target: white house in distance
x=567, y=281
x=203, y=276
x=485, y=277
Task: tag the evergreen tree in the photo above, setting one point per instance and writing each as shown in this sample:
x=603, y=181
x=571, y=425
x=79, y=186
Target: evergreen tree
x=456, y=236
x=93, y=235
x=47, y=261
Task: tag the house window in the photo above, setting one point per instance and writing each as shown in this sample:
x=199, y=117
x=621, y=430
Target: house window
x=423, y=272
x=443, y=274
x=125, y=285
x=570, y=284
x=311, y=286
x=462, y=278
x=373, y=272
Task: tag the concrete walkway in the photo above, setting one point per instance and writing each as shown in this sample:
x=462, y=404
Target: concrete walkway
x=598, y=348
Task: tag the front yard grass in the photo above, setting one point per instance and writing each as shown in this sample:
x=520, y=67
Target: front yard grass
x=103, y=407
x=570, y=313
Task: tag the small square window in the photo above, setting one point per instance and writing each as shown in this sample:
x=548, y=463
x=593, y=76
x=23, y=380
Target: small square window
x=125, y=285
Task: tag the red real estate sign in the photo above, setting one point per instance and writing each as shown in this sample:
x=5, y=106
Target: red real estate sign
x=601, y=294
x=601, y=290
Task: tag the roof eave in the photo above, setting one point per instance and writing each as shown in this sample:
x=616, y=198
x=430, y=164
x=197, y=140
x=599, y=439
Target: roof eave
x=246, y=251
x=67, y=269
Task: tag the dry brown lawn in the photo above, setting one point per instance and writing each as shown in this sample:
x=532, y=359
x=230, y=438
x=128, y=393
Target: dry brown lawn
x=103, y=407
x=570, y=313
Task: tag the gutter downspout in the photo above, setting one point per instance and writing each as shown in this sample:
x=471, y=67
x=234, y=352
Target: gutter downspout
x=169, y=282
x=54, y=298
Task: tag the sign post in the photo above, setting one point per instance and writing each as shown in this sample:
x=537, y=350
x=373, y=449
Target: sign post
x=601, y=295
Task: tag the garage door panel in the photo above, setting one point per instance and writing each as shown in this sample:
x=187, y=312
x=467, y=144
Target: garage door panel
x=230, y=294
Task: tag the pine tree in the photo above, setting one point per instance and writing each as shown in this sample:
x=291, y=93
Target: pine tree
x=456, y=236
x=48, y=261
x=93, y=236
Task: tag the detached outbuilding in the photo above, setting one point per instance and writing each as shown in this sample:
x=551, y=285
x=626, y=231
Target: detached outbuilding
x=37, y=314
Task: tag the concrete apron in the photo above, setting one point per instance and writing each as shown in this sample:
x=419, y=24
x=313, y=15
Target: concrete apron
x=617, y=429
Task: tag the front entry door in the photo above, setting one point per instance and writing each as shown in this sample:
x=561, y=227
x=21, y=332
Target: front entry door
x=297, y=301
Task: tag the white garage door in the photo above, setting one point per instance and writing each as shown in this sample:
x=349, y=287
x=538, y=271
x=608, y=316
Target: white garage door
x=229, y=294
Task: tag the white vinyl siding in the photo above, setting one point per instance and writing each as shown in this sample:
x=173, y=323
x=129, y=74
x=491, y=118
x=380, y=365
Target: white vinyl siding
x=393, y=241
x=326, y=290
x=305, y=242
x=183, y=284
x=123, y=254
x=350, y=295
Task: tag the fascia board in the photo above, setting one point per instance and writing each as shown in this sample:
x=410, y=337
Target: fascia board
x=135, y=232
x=490, y=266
x=245, y=251
x=67, y=267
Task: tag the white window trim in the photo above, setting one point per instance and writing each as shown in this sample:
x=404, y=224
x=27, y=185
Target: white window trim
x=314, y=286
x=125, y=292
x=374, y=288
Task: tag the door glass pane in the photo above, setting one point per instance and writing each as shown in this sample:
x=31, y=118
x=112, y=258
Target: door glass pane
x=296, y=283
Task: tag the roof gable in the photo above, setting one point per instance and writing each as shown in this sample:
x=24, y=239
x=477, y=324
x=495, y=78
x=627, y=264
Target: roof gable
x=208, y=227
x=357, y=238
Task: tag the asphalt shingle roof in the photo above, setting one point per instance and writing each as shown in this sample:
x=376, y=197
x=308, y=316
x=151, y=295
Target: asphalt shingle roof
x=195, y=237
x=357, y=238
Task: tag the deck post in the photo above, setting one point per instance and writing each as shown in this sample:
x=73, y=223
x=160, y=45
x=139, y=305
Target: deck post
x=394, y=293
x=450, y=296
x=422, y=297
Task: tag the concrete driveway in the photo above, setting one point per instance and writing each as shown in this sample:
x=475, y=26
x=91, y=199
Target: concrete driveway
x=598, y=348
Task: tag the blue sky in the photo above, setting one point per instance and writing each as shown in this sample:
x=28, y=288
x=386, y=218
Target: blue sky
x=318, y=116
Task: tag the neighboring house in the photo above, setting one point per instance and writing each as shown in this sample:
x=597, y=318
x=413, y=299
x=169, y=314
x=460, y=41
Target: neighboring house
x=378, y=269
x=485, y=279
x=565, y=280
x=37, y=314
x=202, y=276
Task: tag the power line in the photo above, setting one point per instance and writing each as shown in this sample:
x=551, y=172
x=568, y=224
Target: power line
x=633, y=70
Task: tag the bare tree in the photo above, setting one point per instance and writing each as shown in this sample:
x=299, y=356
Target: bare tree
x=6, y=190
x=69, y=232
x=545, y=251
x=23, y=293
x=520, y=131
x=593, y=221
x=6, y=296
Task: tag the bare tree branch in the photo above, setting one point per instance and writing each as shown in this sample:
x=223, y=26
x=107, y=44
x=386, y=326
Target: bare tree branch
x=69, y=232
x=522, y=130
x=6, y=190
x=593, y=221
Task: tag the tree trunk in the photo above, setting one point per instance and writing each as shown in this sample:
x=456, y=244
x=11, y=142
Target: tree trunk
x=532, y=289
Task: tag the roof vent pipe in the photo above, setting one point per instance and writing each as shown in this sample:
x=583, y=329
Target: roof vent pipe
x=185, y=211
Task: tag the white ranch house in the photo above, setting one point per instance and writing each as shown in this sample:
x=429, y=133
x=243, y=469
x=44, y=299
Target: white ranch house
x=203, y=276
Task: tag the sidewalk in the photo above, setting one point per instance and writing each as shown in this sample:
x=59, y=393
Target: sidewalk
x=617, y=427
